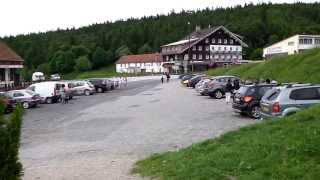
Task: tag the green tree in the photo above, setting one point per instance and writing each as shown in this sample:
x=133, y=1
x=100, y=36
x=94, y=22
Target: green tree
x=80, y=50
x=44, y=67
x=256, y=54
x=145, y=49
x=122, y=51
x=109, y=57
x=62, y=62
x=99, y=58
x=83, y=64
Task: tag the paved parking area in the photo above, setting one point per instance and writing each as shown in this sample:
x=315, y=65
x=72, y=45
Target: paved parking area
x=101, y=136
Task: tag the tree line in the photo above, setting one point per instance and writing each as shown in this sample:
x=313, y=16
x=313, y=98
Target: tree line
x=98, y=45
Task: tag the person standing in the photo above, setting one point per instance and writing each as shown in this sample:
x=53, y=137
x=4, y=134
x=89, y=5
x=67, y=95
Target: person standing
x=63, y=94
x=168, y=77
x=229, y=89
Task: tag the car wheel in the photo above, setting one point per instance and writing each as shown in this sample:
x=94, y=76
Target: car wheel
x=25, y=105
x=218, y=94
x=255, y=112
x=49, y=101
x=87, y=92
x=100, y=90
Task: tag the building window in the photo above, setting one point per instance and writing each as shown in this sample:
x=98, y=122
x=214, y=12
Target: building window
x=216, y=56
x=194, y=56
x=222, y=56
x=213, y=40
x=200, y=48
x=317, y=41
x=219, y=41
x=186, y=57
x=175, y=57
x=167, y=58
x=225, y=41
x=207, y=56
x=231, y=41
x=219, y=48
x=228, y=56
x=225, y=48
x=231, y=49
x=200, y=56
x=207, y=48
x=305, y=41
x=291, y=43
x=207, y=40
x=194, y=48
x=212, y=48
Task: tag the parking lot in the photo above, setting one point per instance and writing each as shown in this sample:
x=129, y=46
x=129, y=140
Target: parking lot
x=101, y=136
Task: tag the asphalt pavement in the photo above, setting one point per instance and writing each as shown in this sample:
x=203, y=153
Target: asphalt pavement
x=101, y=136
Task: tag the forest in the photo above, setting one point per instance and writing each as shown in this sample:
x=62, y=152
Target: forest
x=99, y=45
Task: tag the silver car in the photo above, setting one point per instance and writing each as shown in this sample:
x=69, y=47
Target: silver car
x=289, y=99
x=83, y=88
x=200, y=86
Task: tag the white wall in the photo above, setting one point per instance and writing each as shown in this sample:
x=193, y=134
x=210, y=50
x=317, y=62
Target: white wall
x=138, y=67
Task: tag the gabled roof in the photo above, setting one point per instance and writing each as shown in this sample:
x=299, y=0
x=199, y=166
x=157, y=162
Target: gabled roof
x=140, y=58
x=7, y=54
x=199, y=35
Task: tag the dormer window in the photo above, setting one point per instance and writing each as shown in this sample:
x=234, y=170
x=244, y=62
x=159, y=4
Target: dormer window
x=200, y=48
x=213, y=40
x=219, y=41
x=231, y=41
x=225, y=41
x=207, y=40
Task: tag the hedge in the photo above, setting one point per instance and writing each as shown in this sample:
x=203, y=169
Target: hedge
x=10, y=129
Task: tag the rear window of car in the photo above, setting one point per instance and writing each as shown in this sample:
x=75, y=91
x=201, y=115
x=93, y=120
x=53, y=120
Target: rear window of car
x=272, y=95
x=245, y=90
x=305, y=94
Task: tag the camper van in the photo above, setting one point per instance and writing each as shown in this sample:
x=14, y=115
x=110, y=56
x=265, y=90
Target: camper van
x=38, y=77
x=48, y=91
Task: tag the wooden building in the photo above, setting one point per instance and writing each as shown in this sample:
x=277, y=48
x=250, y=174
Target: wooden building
x=10, y=63
x=202, y=49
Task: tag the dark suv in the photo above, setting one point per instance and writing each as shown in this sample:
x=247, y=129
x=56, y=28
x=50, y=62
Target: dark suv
x=216, y=88
x=101, y=85
x=248, y=97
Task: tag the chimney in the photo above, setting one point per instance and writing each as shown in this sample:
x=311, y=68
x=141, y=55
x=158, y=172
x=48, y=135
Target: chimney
x=198, y=28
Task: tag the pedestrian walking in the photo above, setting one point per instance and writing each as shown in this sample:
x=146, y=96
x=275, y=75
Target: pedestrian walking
x=268, y=81
x=162, y=79
x=168, y=77
x=229, y=89
x=63, y=94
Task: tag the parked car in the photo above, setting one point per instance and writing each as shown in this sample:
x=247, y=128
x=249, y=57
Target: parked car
x=69, y=87
x=248, y=97
x=8, y=102
x=217, y=86
x=194, y=80
x=186, y=78
x=48, y=91
x=201, y=85
x=101, y=85
x=289, y=99
x=55, y=77
x=26, y=98
x=38, y=77
x=83, y=88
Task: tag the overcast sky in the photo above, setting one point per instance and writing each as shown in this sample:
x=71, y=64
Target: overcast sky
x=24, y=16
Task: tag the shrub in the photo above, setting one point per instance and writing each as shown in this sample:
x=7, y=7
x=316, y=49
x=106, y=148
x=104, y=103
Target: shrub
x=10, y=129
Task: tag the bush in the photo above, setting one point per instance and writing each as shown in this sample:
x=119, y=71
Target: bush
x=10, y=129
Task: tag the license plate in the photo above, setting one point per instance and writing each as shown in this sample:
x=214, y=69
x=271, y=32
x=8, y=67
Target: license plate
x=264, y=109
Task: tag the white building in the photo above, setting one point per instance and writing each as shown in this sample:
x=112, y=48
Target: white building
x=292, y=45
x=142, y=63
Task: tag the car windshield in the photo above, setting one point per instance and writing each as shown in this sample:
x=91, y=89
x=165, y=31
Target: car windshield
x=30, y=92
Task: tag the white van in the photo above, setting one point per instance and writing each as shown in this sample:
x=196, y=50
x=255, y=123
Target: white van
x=38, y=77
x=48, y=91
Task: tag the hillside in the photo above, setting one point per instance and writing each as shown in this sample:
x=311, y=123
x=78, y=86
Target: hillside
x=304, y=67
x=286, y=148
x=98, y=45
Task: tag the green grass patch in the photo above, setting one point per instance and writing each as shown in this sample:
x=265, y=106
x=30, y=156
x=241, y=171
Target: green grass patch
x=285, y=148
x=304, y=67
x=109, y=71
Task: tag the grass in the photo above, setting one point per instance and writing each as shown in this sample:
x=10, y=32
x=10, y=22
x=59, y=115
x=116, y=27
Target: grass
x=109, y=71
x=286, y=148
x=304, y=67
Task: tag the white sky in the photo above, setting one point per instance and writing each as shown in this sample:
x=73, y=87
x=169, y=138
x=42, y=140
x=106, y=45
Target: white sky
x=24, y=16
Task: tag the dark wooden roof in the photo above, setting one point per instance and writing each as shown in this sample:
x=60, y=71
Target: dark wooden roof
x=140, y=58
x=7, y=54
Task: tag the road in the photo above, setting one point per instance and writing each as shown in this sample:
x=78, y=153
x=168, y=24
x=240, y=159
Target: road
x=101, y=136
